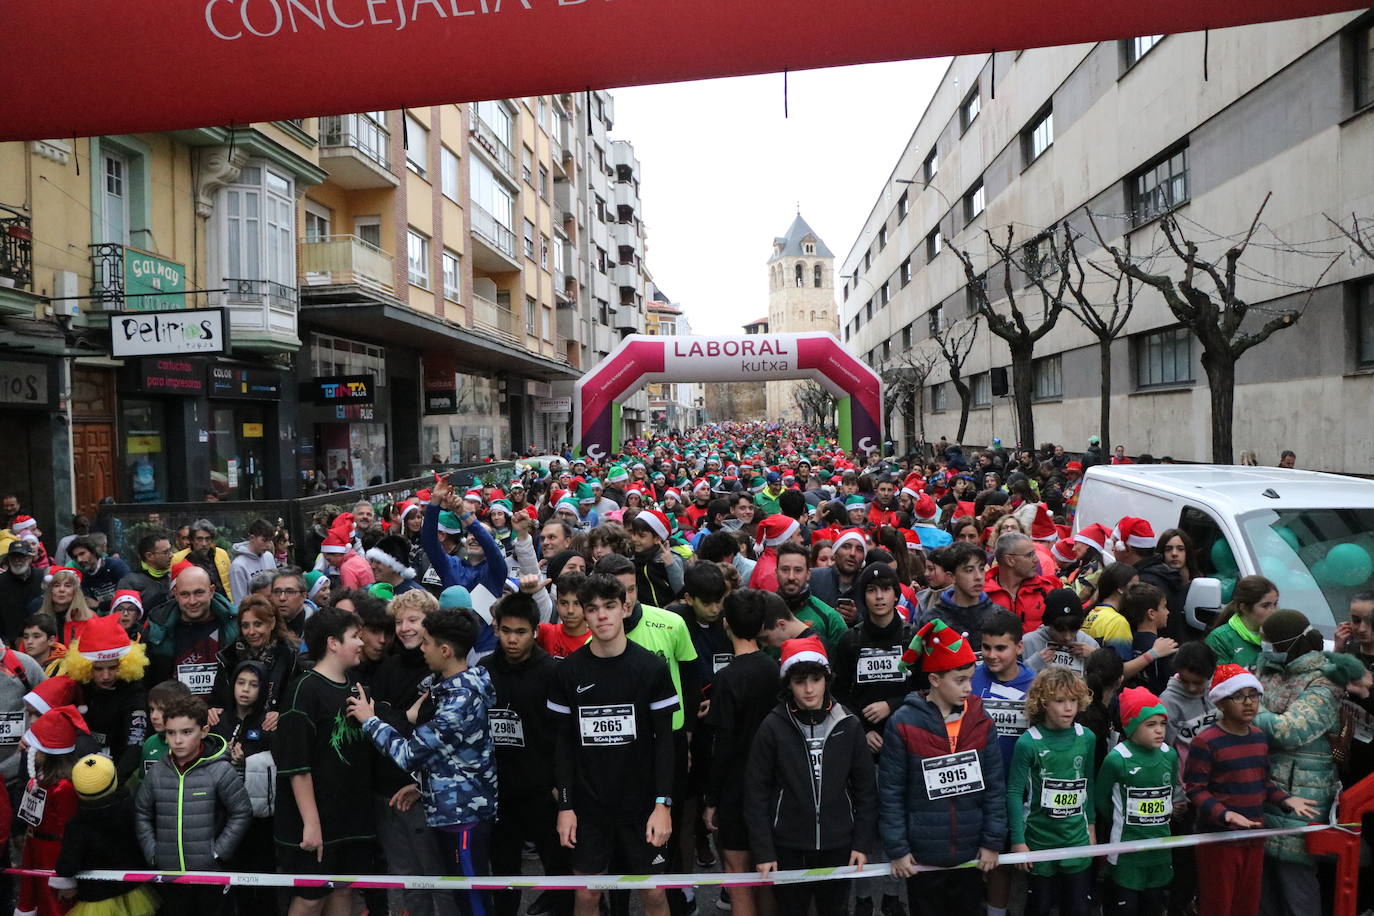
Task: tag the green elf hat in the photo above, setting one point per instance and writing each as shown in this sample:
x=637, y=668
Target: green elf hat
x=757, y=484
x=937, y=647
x=568, y=502
x=449, y=523
x=383, y=590
x=585, y=494
x=617, y=474
x=1138, y=704
x=854, y=502
x=504, y=505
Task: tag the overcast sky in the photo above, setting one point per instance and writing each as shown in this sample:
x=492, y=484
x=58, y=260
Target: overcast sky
x=724, y=172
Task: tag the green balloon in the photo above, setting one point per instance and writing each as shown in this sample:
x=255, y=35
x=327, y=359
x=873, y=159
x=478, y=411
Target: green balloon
x=1289, y=536
x=1228, y=587
x=1322, y=573
x=1223, y=560
x=1349, y=564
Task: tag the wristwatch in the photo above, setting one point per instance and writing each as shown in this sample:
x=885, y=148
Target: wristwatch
x=664, y=800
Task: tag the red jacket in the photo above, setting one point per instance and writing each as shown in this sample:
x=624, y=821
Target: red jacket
x=695, y=513
x=1029, y=603
x=765, y=574
x=878, y=516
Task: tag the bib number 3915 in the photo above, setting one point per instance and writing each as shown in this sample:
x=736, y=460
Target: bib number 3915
x=953, y=774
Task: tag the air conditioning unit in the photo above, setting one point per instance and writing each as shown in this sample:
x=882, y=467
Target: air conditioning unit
x=64, y=294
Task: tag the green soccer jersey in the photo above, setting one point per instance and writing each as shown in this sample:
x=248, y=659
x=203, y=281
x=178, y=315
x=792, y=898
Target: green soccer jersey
x=1049, y=793
x=665, y=634
x=1135, y=791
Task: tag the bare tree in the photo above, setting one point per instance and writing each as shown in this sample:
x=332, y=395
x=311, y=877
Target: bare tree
x=1105, y=320
x=816, y=403
x=904, y=379
x=1015, y=327
x=1360, y=234
x=955, y=341
x=1214, y=316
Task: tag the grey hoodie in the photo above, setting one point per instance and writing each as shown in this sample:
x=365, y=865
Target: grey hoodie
x=1037, y=641
x=1188, y=715
x=244, y=565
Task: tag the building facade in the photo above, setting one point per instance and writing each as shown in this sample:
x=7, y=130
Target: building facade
x=1201, y=126
x=672, y=405
x=801, y=297
x=393, y=287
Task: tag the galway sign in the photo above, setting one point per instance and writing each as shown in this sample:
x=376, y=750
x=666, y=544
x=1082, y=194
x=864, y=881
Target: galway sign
x=167, y=333
x=641, y=359
x=276, y=41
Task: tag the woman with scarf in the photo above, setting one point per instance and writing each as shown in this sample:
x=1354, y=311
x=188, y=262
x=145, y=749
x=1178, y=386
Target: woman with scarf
x=264, y=638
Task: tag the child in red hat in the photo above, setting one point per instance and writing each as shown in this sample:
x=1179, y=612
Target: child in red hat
x=48, y=803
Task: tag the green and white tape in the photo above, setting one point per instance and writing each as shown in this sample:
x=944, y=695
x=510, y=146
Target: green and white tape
x=638, y=882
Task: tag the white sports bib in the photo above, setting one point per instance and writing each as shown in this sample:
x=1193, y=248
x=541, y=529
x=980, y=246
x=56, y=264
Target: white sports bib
x=506, y=728
x=602, y=725
x=1063, y=797
x=879, y=666
x=1149, y=807
x=953, y=774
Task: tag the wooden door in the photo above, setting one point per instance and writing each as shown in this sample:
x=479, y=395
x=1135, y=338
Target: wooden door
x=93, y=460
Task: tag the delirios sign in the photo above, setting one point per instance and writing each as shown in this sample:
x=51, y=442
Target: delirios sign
x=167, y=333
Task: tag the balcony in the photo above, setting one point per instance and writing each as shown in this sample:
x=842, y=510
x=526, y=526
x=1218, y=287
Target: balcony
x=625, y=235
x=601, y=286
x=626, y=276
x=497, y=319
x=625, y=318
x=495, y=248
x=16, y=248
x=333, y=261
x=623, y=159
x=626, y=195
x=261, y=315
x=494, y=147
x=354, y=149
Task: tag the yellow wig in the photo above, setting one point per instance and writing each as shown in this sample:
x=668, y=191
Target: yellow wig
x=78, y=667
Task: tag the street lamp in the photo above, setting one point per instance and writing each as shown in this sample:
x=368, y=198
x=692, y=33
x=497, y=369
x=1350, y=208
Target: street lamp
x=926, y=185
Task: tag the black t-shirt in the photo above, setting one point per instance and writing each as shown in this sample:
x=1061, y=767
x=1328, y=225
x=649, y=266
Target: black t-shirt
x=745, y=691
x=615, y=722
x=316, y=736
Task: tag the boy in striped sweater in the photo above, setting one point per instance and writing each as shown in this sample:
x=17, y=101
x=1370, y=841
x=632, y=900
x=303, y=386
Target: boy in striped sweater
x=1228, y=783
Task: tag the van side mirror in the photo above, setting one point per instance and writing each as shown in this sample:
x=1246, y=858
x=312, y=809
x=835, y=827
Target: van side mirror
x=1203, y=602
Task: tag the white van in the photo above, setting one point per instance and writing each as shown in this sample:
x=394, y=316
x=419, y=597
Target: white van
x=1312, y=534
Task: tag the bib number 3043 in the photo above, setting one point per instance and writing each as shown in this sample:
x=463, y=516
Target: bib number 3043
x=603, y=725
x=953, y=774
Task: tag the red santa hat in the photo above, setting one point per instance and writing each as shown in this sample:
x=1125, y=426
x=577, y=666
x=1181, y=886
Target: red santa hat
x=1134, y=532
x=1063, y=550
x=912, y=539
x=55, y=731
x=673, y=492
x=103, y=639
x=23, y=523
x=336, y=541
x=408, y=507
x=776, y=529
x=179, y=567
x=127, y=596
x=54, y=570
x=700, y=484
x=803, y=649
x=850, y=534
x=925, y=508
x=1095, y=536
x=657, y=522
x=58, y=690
x=1043, y=527
x=474, y=493
x=1229, y=679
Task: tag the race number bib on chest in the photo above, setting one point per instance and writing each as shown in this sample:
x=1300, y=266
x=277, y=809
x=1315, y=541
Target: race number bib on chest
x=1149, y=807
x=1063, y=797
x=719, y=660
x=879, y=665
x=601, y=725
x=953, y=774
x=11, y=727
x=34, y=801
x=506, y=728
x=198, y=678
x=1062, y=656
x=1009, y=716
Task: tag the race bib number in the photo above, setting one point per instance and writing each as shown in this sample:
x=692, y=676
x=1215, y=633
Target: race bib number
x=603, y=725
x=953, y=774
x=11, y=727
x=1149, y=807
x=199, y=678
x=1361, y=728
x=878, y=666
x=1063, y=797
x=31, y=807
x=1009, y=716
x=719, y=660
x=1062, y=656
x=506, y=728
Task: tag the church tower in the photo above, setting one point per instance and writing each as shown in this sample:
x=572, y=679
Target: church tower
x=801, y=297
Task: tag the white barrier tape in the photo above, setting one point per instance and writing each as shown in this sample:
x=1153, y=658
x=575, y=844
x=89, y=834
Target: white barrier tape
x=637, y=882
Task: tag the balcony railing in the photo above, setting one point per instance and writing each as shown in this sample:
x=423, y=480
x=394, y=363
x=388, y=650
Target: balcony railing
x=261, y=314
x=268, y=293
x=487, y=226
x=487, y=139
x=16, y=247
x=357, y=132
x=341, y=260
x=107, y=277
x=491, y=316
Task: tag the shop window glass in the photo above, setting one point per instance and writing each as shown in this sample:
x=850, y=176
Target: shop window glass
x=145, y=451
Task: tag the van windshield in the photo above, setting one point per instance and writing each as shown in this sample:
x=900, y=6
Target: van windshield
x=1318, y=558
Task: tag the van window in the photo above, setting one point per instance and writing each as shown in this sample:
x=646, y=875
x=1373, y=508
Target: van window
x=1318, y=558
x=1215, y=556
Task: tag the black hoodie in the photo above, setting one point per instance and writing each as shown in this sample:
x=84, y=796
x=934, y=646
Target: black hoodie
x=521, y=729
x=865, y=662
x=395, y=686
x=246, y=731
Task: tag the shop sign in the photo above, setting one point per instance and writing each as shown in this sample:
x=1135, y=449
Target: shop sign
x=167, y=333
x=553, y=405
x=245, y=382
x=353, y=412
x=165, y=375
x=143, y=444
x=252, y=430
x=441, y=400
x=25, y=383
x=152, y=284
x=338, y=389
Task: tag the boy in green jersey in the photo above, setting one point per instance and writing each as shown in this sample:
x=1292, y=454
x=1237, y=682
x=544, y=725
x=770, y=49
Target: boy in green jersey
x=1135, y=791
x=1049, y=793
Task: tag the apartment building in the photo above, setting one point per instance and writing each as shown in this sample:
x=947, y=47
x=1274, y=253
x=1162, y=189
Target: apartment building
x=392, y=287
x=672, y=405
x=1200, y=126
